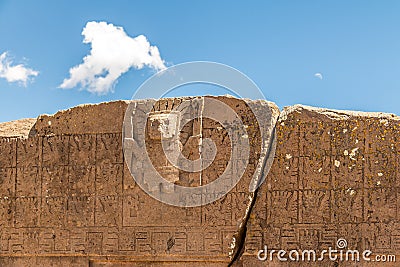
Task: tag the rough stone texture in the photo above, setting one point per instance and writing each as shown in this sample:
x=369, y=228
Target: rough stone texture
x=84, y=119
x=19, y=128
x=336, y=174
x=67, y=197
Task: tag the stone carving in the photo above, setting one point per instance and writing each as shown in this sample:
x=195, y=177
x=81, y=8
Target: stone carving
x=67, y=197
x=335, y=176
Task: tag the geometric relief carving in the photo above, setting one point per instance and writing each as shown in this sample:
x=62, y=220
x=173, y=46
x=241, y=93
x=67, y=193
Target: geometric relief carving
x=78, y=239
x=109, y=149
x=73, y=195
x=6, y=212
x=61, y=239
x=161, y=242
x=4, y=240
x=110, y=244
x=55, y=150
x=171, y=215
x=353, y=233
x=379, y=236
x=380, y=170
x=80, y=211
x=346, y=172
x=315, y=206
x=176, y=244
x=143, y=242
x=82, y=150
x=109, y=179
x=27, y=211
x=45, y=241
x=135, y=212
x=284, y=174
x=312, y=133
x=347, y=187
x=271, y=236
x=7, y=182
x=347, y=205
x=195, y=241
x=53, y=211
x=81, y=180
x=282, y=207
x=28, y=152
x=8, y=152
x=54, y=181
x=127, y=239
x=327, y=236
x=289, y=238
x=169, y=241
x=94, y=242
x=380, y=204
x=213, y=242
x=309, y=239
x=288, y=136
x=16, y=241
x=315, y=172
x=28, y=182
x=30, y=241
x=108, y=211
x=218, y=213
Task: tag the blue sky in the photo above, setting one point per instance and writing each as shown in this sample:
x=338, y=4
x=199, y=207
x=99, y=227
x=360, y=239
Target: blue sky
x=280, y=45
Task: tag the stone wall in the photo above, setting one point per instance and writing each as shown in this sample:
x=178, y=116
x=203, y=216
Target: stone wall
x=67, y=197
x=336, y=175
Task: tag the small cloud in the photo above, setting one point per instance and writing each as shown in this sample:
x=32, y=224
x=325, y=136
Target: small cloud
x=15, y=73
x=318, y=75
x=112, y=54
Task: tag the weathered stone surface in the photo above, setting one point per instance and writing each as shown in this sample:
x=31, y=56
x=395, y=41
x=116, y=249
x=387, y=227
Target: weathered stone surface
x=67, y=197
x=335, y=175
x=19, y=128
x=84, y=119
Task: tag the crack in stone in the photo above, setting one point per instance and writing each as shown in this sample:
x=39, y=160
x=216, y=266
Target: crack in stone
x=48, y=143
x=239, y=239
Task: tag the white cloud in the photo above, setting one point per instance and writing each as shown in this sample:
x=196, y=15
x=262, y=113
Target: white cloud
x=318, y=75
x=15, y=73
x=112, y=54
